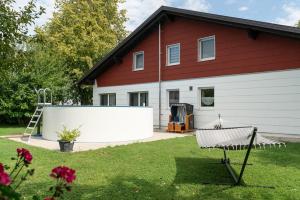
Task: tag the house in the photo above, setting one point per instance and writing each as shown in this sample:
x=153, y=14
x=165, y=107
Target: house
x=248, y=71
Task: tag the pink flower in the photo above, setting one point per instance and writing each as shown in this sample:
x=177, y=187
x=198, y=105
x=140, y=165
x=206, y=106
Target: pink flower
x=4, y=177
x=1, y=168
x=25, y=154
x=64, y=173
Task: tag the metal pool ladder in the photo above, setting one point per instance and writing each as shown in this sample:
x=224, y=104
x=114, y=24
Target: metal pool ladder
x=36, y=117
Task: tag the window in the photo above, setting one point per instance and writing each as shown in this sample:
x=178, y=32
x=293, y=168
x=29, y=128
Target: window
x=173, y=54
x=138, y=99
x=138, y=61
x=134, y=99
x=108, y=99
x=207, y=97
x=143, y=99
x=173, y=97
x=206, y=48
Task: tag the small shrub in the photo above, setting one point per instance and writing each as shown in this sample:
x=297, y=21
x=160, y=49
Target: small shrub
x=68, y=135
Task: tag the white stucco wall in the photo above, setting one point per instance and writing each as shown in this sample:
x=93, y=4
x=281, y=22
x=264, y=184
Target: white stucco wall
x=99, y=124
x=269, y=100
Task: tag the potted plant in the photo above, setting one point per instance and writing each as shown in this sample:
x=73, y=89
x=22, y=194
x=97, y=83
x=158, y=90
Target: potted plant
x=67, y=137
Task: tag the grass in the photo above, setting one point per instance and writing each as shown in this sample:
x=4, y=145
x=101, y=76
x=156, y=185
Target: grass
x=11, y=130
x=167, y=169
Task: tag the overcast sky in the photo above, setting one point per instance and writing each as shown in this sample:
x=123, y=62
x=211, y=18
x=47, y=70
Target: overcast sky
x=285, y=12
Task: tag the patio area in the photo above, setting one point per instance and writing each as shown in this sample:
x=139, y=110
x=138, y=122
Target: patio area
x=85, y=146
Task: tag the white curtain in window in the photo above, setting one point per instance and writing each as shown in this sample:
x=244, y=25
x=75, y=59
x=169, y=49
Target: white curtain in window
x=174, y=54
x=208, y=48
x=139, y=61
x=144, y=99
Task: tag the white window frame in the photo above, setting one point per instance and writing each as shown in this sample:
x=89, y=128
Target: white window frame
x=134, y=60
x=168, y=54
x=168, y=96
x=139, y=98
x=108, y=94
x=199, y=48
x=200, y=98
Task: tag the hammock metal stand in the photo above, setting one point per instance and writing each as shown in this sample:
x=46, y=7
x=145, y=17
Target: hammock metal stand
x=226, y=161
x=234, y=138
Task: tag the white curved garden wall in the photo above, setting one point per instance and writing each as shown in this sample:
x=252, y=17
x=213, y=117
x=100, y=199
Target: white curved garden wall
x=99, y=124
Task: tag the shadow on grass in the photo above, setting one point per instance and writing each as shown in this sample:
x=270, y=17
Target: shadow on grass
x=130, y=188
x=120, y=188
x=201, y=171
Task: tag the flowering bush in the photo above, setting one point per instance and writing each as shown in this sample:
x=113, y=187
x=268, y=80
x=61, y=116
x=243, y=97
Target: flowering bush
x=25, y=155
x=10, y=182
x=4, y=177
x=64, y=177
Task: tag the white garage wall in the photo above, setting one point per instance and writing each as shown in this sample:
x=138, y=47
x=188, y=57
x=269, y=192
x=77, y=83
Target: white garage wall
x=270, y=101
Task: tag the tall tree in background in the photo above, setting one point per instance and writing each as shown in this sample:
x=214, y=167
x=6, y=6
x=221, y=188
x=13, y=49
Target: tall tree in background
x=80, y=33
x=298, y=25
x=13, y=34
x=16, y=86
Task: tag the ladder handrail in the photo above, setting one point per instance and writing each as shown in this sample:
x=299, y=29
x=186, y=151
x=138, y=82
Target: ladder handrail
x=36, y=116
x=44, y=93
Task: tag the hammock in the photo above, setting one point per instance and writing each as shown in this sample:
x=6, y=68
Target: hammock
x=233, y=138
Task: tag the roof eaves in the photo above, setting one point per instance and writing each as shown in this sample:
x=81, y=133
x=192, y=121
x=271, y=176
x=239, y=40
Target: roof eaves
x=226, y=20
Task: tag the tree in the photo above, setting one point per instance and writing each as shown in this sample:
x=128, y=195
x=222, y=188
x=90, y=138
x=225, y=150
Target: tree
x=13, y=33
x=81, y=33
x=298, y=25
x=16, y=86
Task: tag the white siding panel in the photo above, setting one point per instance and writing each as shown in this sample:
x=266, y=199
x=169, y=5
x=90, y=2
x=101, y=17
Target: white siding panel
x=122, y=96
x=268, y=100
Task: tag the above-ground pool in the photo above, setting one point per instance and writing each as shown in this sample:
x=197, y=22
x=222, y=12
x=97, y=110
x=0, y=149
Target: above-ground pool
x=99, y=124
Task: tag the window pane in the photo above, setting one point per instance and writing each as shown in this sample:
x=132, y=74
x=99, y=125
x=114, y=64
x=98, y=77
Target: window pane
x=144, y=99
x=173, y=97
x=174, y=54
x=112, y=99
x=208, y=48
x=134, y=99
x=207, y=97
x=139, y=61
x=103, y=99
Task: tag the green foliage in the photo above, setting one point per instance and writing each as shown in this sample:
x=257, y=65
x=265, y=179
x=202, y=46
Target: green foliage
x=13, y=34
x=48, y=71
x=79, y=34
x=68, y=135
x=17, y=98
x=298, y=24
x=16, y=85
x=6, y=192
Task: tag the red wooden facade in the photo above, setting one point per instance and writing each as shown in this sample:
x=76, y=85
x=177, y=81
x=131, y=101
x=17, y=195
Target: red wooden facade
x=236, y=53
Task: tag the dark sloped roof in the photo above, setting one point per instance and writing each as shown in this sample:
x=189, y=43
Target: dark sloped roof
x=164, y=13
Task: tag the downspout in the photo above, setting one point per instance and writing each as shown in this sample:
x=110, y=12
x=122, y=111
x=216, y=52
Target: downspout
x=159, y=76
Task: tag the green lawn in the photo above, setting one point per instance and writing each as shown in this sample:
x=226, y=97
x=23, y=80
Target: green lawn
x=168, y=169
x=11, y=130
